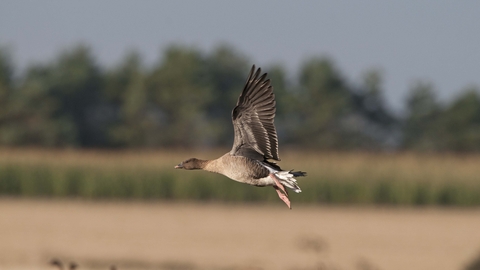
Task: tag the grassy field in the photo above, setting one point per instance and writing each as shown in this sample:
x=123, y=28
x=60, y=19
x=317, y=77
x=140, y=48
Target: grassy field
x=333, y=178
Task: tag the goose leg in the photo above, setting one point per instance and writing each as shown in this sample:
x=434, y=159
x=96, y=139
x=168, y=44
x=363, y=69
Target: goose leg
x=282, y=193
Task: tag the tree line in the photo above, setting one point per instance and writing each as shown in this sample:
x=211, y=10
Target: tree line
x=185, y=100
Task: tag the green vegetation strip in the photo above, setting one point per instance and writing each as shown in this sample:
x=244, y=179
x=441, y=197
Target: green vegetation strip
x=90, y=182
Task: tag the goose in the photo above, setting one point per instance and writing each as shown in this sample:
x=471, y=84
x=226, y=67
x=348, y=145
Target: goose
x=255, y=142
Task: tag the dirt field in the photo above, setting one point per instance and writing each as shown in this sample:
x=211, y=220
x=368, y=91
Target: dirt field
x=192, y=236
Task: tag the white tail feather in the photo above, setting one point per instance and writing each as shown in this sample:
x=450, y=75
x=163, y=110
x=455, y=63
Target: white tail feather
x=286, y=178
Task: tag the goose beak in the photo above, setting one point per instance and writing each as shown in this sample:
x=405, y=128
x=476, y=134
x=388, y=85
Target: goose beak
x=179, y=166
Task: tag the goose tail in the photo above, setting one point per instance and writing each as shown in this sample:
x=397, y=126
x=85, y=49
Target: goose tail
x=287, y=179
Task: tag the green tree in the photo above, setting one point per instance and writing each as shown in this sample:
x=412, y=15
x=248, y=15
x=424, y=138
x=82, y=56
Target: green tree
x=135, y=123
x=373, y=103
x=6, y=74
x=37, y=112
x=324, y=101
x=180, y=88
x=422, y=130
x=461, y=122
x=227, y=70
x=376, y=126
x=76, y=82
x=7, y=136
x=61, y=103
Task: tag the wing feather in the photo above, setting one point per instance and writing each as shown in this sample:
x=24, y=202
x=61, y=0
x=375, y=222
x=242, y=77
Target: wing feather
x=253, y=117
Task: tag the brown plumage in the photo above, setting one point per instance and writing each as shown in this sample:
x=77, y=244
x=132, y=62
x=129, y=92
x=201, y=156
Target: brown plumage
x=255, y=134
x=255, y=142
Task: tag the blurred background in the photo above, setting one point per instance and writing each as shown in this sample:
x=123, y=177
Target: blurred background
x=378, y=102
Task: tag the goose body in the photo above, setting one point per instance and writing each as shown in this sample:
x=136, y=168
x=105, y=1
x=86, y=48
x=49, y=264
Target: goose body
x=255, y=142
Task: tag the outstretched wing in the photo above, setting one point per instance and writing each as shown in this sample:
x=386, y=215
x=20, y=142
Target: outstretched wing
x=255, y=134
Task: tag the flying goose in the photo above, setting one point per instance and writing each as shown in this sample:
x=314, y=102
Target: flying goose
x=255, y=142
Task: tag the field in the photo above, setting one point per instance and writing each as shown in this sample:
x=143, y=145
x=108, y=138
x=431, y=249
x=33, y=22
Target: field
x=333, y=178
x=138, y=235
x=360, y=211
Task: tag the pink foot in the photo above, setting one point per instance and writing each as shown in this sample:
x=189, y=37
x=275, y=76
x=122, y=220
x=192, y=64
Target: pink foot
x=283, y=197
x=282, y=193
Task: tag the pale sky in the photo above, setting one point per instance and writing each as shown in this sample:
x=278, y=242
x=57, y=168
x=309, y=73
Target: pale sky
x=436, y=41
